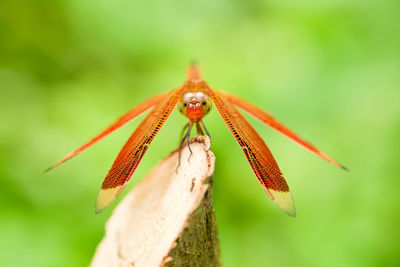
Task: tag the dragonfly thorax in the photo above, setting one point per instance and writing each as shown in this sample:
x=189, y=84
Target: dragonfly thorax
x=194, y=105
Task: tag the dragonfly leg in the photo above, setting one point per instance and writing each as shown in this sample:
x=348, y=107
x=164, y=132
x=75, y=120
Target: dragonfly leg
x=205, y=129
x=188, y=140
x=181, y=144
x=199, y=129
x=183, y=141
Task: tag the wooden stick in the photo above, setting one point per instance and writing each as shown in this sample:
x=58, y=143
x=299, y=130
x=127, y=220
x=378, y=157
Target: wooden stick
x=168, y=218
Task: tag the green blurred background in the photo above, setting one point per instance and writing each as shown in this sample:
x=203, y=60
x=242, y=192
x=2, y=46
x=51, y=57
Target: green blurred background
x=328, y=69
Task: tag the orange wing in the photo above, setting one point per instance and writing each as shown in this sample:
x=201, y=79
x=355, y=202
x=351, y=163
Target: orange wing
x=134, y=149
x=130, y=115
x=276, y=125
x=256, y=152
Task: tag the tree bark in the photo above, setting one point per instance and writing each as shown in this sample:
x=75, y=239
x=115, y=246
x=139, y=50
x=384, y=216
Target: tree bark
x=168, y=218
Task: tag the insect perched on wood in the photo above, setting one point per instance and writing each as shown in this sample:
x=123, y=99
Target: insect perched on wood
x=194, y=99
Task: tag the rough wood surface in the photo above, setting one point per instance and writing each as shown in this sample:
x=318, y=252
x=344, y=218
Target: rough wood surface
x=168, y=218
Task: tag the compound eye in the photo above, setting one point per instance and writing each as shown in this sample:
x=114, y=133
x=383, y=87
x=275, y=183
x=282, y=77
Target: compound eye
x=182, y=108
x=206, y=105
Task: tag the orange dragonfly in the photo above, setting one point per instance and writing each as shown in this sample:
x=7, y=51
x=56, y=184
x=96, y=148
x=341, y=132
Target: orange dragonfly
x=194, y=100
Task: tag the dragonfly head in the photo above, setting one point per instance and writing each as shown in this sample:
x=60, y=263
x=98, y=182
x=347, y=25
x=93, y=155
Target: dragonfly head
x=194, y=105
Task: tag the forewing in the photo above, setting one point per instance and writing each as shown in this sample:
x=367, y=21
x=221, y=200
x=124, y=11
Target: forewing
x=134, y=149
x=257, y=153
x=130, y=115
x=276, y=125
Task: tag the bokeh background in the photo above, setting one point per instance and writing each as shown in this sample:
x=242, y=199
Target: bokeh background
x=328, y=69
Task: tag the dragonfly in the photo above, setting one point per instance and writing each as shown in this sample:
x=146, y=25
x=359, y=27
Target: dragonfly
x=194, y=100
